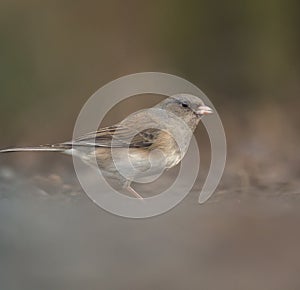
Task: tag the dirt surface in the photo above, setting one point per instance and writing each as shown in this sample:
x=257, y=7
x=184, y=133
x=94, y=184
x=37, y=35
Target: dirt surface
x=54, y=237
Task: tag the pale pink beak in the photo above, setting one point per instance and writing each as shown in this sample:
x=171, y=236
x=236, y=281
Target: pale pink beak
x=204, y=110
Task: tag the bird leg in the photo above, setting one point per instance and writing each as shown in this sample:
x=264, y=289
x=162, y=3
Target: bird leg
x=132, y=191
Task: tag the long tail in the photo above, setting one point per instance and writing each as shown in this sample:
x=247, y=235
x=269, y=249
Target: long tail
x=42, y=148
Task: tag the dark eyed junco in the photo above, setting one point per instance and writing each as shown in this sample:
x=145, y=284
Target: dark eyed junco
x=144, y=144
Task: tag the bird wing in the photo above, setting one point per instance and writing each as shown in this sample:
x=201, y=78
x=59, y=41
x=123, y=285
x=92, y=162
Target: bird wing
x=118, y=136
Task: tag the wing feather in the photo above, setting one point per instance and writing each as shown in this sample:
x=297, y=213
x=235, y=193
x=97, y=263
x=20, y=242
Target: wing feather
x=118, y=136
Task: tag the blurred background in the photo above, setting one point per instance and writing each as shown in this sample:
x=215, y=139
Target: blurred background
x=244, y=55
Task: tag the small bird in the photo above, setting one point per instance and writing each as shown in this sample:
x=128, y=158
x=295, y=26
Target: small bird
x=146, y=143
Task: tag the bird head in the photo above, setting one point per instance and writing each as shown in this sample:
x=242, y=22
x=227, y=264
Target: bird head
x=187, y=107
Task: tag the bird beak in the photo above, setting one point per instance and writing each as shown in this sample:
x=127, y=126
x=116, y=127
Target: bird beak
x=204, y=110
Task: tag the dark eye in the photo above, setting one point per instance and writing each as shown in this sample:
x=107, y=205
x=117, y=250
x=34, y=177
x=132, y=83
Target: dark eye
x=185, y=105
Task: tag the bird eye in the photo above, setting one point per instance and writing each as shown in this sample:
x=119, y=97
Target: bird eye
x=184, y=105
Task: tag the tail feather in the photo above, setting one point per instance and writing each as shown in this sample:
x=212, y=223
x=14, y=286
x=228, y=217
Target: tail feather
x=42, y=148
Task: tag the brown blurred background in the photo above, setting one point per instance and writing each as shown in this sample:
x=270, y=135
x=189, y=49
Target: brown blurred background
x=244, y=55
